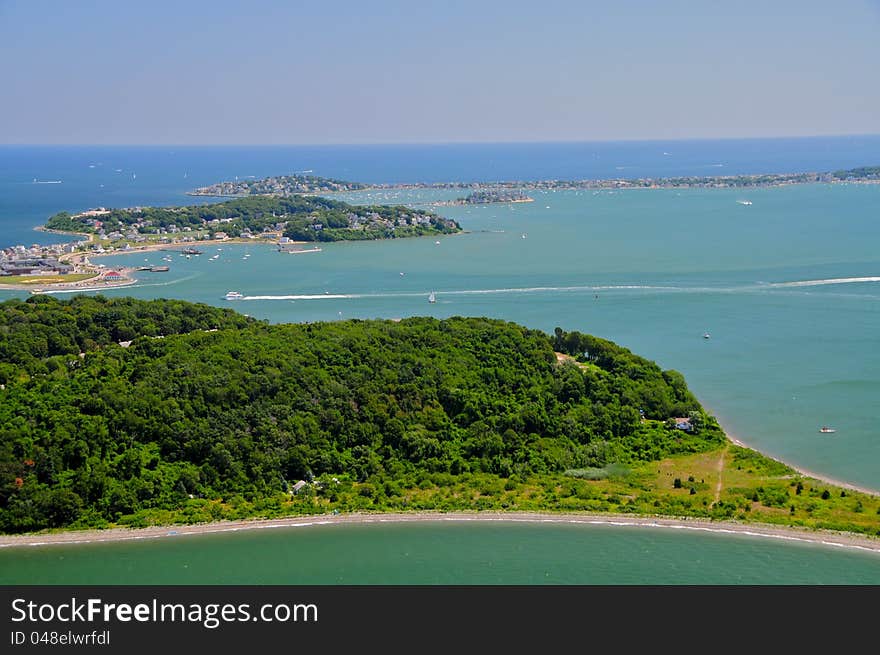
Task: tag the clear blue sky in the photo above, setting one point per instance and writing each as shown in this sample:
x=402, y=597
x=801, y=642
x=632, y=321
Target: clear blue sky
x=255, y=72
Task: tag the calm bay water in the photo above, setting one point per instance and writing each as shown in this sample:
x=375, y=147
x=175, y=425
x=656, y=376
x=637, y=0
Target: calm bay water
x=446, y=553
x=788, y=287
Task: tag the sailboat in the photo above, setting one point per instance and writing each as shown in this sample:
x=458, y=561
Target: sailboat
x=431, y=297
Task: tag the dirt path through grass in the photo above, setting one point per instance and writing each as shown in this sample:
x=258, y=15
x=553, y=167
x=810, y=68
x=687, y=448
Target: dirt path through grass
x=720, y=472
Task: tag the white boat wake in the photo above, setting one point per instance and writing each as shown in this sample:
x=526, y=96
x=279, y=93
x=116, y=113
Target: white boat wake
x=819, y=283
x=763, y=286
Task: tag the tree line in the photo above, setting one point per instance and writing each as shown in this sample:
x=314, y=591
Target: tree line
x=204, y=403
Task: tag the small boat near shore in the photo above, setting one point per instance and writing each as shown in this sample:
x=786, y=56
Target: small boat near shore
x=233, y=295
x=827, y=430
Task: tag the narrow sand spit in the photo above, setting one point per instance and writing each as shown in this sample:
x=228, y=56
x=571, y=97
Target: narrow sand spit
x=828, y=538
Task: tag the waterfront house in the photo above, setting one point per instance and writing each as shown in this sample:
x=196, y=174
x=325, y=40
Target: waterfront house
x=682, y=423
x=299, y=486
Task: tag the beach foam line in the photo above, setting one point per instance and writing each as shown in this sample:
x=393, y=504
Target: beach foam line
x=844, y=540
x=671, y=524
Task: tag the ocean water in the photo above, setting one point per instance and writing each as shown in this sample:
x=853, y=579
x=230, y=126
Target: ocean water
x=788, y=287
x=472, y=552
x=116, y=176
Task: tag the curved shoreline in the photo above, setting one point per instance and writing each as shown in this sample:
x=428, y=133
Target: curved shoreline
x=85, y=236
x=760, y=530
x=734, y=439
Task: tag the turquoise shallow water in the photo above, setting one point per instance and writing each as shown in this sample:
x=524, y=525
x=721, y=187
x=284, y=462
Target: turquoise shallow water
x=445, y=553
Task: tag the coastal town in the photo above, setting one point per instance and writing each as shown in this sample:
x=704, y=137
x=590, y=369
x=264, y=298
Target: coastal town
x=281, y=185
x=865, y=174
x=488, y=191
x=38, y=268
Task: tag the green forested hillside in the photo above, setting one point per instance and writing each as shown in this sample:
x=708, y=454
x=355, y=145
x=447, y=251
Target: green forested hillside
x=207, y=406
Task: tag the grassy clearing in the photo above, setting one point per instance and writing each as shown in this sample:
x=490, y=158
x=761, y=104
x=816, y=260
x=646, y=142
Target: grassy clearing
x=764, y=492
x=45, y=279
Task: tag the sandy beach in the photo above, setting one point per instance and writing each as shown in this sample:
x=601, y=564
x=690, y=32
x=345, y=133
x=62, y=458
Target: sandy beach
x=828, y=538
x=735, y=439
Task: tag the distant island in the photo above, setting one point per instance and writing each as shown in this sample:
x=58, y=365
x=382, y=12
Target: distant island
x=120, y=412
x=488, y=197
x=864, y=174
x=283, y=185
x=484, y=191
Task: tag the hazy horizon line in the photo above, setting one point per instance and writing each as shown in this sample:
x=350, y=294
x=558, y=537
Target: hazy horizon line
x=438, y=143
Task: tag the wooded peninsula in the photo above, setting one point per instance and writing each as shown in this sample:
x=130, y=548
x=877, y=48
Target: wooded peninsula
x=297, y=217
x=124, y=412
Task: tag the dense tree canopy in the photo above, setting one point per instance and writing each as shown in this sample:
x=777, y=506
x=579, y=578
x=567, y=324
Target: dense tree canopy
x=205, y=403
